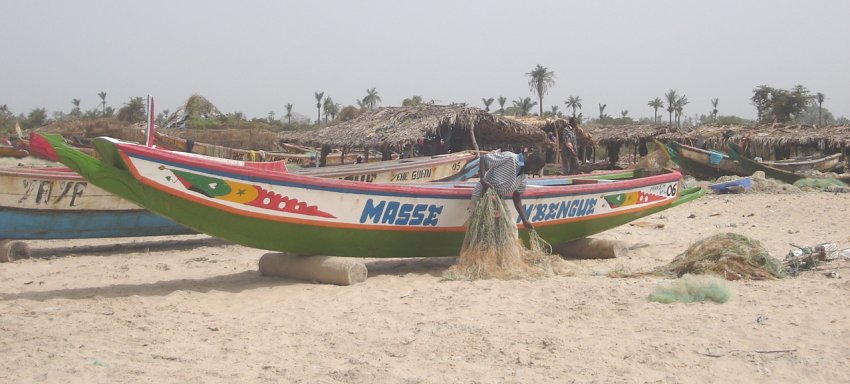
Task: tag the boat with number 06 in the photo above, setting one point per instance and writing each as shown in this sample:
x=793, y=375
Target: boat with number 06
x=308, y=215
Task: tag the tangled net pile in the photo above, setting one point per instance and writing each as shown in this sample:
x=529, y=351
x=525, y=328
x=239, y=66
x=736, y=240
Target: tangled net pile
x=728, y=255
x=492, y=247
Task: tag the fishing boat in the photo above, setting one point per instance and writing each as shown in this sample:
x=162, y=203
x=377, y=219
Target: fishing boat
x=56, y=203
x=449, y=167
x=751, y=166
x=316, y=216
x=816, y=163
x=703, y=164
x=298, y=156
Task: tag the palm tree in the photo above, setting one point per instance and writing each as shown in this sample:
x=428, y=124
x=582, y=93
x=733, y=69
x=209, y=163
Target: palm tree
x=288, y=113
x=327, y=107
x=165, y=113
x=555, y=110
x=602, y=111
x=524, y=106
x=540, y=80
x=680, y=104
x=502, y=100
x=573, y=102
x=103, y=101
x=819, y=98
x=271, y=117
x=671, y=104
x=371, y=98
x=624, y=113
x=655, y=104
x=487, y=102
x=714, y=102
x=319, y=96
x=76, y=111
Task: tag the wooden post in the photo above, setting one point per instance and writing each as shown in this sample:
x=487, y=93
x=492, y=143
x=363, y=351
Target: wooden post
x=324, y=269
x=11, y=250
x=472, y=138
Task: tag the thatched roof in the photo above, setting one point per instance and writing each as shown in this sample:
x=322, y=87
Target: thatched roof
x=397, y=126
x=763, y=138
x=624, y=134
x=552, y=124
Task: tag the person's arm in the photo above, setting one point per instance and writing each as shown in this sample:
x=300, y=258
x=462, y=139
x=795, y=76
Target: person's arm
x=517, y=197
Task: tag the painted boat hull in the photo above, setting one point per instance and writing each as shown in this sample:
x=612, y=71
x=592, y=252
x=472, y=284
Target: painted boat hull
x=450, y=167
x=56, y=203
x=313, y=216
x=698, y=162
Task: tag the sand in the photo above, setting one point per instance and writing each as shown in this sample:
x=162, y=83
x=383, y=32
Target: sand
x=191, y=309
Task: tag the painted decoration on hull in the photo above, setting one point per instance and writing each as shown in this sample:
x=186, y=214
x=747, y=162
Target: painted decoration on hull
x=253, y=195
x=435, y=208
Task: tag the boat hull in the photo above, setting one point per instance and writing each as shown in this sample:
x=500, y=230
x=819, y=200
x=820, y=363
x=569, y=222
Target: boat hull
x=752, y=166
x=702, y=164
x=314, y=216
x=823, y=164
x=51, y=203
x=450, y=167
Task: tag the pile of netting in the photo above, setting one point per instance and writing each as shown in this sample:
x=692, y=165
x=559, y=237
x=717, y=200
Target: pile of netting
x=492, y=247
x=728, y=255
x=691, y=289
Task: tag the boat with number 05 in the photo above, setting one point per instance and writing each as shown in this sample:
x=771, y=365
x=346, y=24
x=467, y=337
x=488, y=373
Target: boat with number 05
x=315, y=216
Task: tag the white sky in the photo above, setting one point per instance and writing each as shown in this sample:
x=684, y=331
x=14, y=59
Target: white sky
x=255, y=56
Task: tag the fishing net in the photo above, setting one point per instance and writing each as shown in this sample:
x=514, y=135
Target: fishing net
x=728, y=255
x=690, y=289
x=492, y=247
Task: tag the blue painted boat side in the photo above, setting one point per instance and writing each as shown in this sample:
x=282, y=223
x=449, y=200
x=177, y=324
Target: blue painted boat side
x=46, y=225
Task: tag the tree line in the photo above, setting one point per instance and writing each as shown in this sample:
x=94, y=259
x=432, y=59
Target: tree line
x=771, y=104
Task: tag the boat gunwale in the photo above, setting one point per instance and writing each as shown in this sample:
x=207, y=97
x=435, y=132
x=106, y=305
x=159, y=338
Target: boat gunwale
x=349, y=186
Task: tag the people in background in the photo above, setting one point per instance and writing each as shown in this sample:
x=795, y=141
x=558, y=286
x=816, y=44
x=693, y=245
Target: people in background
x=569, y=156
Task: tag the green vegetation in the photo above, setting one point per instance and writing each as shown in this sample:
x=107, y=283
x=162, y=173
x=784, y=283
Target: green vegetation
x=780, y=105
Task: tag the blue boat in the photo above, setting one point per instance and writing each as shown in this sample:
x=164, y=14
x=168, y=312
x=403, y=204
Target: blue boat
x=56, y=203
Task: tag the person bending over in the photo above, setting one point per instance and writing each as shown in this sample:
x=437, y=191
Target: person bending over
x=505, y=172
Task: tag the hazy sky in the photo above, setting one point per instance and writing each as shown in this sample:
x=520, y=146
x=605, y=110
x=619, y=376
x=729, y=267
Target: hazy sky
x=255, y=56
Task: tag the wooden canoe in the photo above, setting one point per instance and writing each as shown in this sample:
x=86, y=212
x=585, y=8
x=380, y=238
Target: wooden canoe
x=56, y=203
x=703, y=164
x=820, y=164
x=751, y=166
x=314, y=216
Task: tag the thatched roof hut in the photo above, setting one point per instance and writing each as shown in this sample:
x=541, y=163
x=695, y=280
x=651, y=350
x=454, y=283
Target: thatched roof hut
x=395, y=127
x=766, y=139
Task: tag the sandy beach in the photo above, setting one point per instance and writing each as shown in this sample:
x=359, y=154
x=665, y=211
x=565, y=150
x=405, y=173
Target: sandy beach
x=192, y=309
